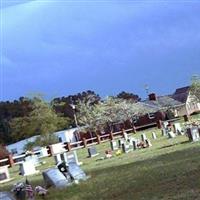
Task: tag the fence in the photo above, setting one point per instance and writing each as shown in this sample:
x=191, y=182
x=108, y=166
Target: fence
x=84, y=143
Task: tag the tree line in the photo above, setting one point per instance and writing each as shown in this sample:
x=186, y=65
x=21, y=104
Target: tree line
x=31, y=116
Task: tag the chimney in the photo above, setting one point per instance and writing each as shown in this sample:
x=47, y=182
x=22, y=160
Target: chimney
x=152, y=97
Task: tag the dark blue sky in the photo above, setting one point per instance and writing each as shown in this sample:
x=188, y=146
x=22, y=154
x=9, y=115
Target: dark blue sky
x=64, y=47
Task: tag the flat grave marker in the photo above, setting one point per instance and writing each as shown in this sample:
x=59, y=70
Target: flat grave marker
x=53, y=177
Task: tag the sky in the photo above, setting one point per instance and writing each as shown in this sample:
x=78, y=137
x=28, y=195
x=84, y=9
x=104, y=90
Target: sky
x=61, y=47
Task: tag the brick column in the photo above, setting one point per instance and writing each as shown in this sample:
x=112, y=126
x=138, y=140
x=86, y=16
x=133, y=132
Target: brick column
x=159, y=124
x=134, y=129
x=98, y=139
x=111, y=136
x=10, y=160
x=50, y=150
x=68, y=146
x=84, y=142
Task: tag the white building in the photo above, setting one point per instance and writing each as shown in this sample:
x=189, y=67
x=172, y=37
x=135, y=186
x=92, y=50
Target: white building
x=69, y=135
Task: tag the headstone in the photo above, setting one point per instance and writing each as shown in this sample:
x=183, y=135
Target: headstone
x=113, y=145
x=57, y=148
x=6, y=196
x=76, y=172
x=4, y=174
x=53, y=177
x=193, y=134
x=177, y=128
x=143, y=137
x=72, y=157
x=43, y=152
x=120, y=142
x=92, y=151
x=57, y=158
x=148, y=143
x=134, y=142
x=34, y=159
x=154, y=135
x=171, y=134
x=125, y=136
x=164, y=131
x=165, y=124
x=27, y=168
x=125, y=148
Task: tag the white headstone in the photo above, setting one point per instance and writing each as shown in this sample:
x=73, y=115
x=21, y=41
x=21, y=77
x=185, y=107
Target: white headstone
x=171, y=135
x=143, y=137
x=57, y=148
x=154, y=135
x=113, y=145
x=4, y=174
x=126, y=136
x=28, y=168
x=177, y=127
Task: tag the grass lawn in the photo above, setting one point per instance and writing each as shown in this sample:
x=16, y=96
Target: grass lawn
x=167, y=170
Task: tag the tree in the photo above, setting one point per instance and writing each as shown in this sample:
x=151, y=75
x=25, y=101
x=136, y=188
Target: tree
x=42, y=120
x=195, y=87
x=111, y=110
x=129, y=96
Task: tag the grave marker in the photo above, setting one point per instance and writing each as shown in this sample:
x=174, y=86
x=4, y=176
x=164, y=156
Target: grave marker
x=193, y=134
x=125, y=148
x=92, y=151
x=113, y=145
x=53, y=177
x=143, y=137
x=171, y=134
x=154, y=135
x=76, y=172
x=4, y=174
x=27, y=168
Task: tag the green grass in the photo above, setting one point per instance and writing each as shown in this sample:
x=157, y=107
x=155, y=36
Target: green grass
x=168, y=170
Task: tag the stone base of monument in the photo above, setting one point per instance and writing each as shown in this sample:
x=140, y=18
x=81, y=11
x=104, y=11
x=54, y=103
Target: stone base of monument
x=6, y=196
x=64, y=175
x=4, y=175
x=27, y=168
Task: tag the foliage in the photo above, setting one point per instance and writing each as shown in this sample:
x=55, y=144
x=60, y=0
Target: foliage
x=195, y=87
x=3, y=152
x=111, y=110
x=128, y=96
x=42, y=120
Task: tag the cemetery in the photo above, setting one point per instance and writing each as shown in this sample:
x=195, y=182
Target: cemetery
x=142, y=165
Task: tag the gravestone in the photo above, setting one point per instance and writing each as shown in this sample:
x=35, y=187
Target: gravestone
x=193, y=134
x=76, y=172
x=113, y=145
x=6, y=196
x=143, y=137
x=120, y=142
x=148, y=143
x=27, y=168
x=57, y=158
x=4, y=174
x=154, y=135
x=34, y=159
x=134, y=143
x=125, y=148
x=171, y=134
x=53, y=177
x=177, y=128
x=72, y=157
x=92, y=151
x=125, y=136
x=164, y=131
x=57, y=148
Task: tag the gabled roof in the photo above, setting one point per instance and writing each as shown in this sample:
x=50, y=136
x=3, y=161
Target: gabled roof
x=163, y=102
x=181, y=94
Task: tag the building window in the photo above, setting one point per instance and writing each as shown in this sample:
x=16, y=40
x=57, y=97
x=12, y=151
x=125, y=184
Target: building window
x=151, y=115
x=14, y=151
x=60, y=139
